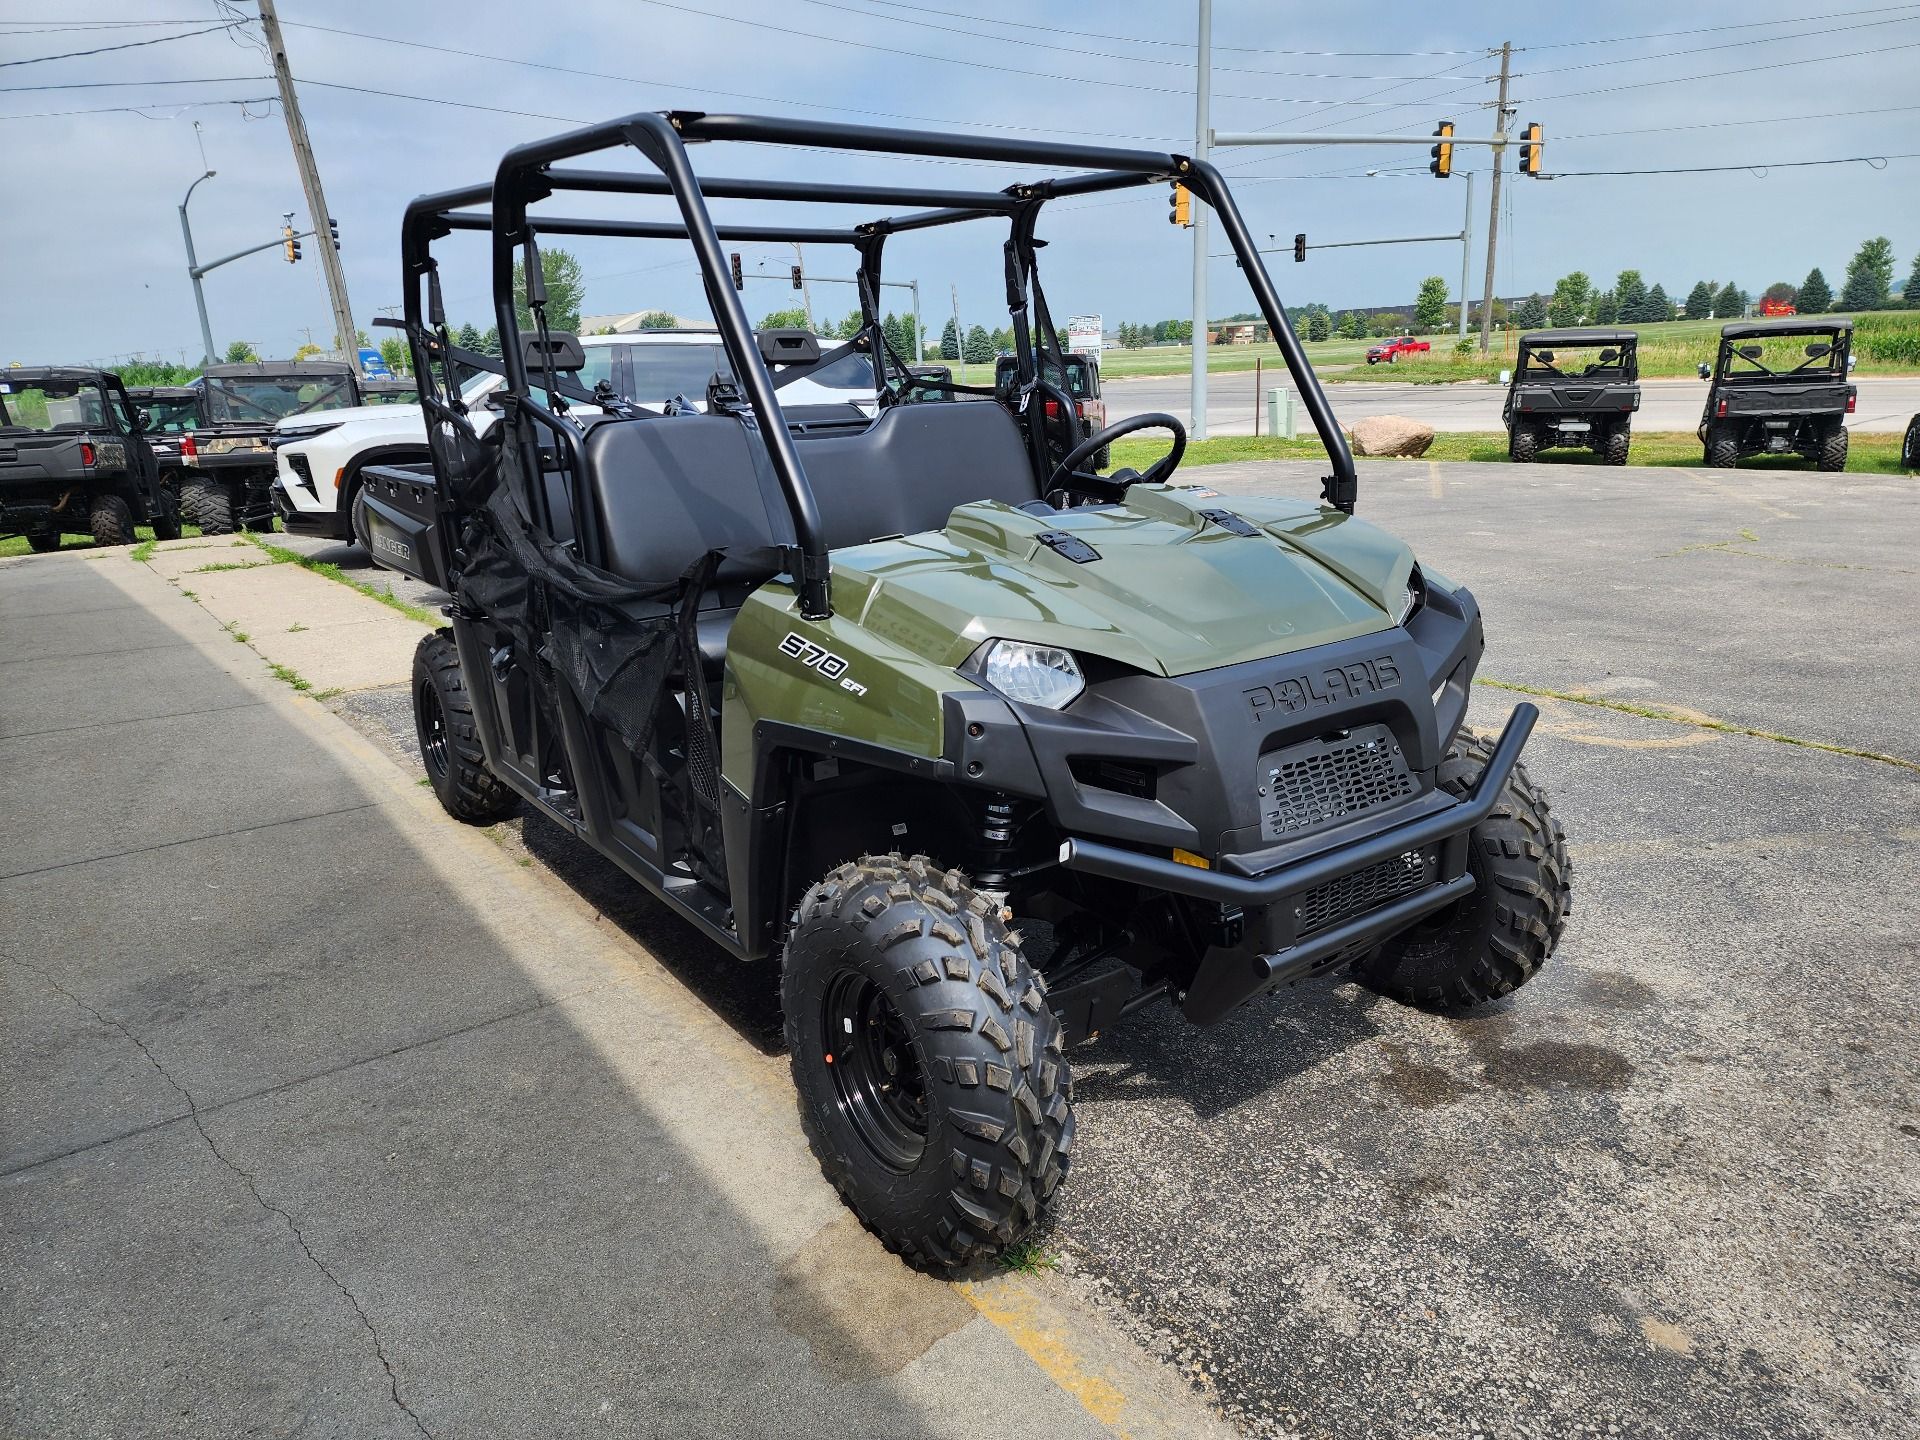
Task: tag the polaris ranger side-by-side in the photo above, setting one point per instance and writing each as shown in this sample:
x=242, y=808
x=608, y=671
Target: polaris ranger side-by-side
x=1573, y=388
x=1780, y=387
x=984, y=750
x=222, y=465
x=72, y=458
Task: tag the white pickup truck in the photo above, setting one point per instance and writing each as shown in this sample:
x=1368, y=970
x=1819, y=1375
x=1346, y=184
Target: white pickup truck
x=320, y=458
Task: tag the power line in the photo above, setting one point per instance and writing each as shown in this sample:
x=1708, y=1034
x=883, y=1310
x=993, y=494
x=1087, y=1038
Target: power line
x=1726, y=45
x=1717, y=29
x=1127, y=85
x=141, y=110
x=701, y=90
x=1720, y=74
x=1759, y=169
x=127, y=84
x=125, y=45
x=1726, y=124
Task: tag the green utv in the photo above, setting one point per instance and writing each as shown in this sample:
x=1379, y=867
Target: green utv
x=984, y=749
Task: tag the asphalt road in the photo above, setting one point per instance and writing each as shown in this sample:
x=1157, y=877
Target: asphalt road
x=1668, y=1188
x=1886, y=404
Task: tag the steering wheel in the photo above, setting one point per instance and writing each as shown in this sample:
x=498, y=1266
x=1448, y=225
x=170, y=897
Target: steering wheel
x=1100, y=439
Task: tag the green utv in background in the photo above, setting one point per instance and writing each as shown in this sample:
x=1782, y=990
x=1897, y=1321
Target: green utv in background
x=985, y=749
x=74, y=459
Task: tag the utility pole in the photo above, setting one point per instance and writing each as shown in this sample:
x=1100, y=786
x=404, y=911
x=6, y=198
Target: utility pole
x=317, y=210
x=1466, y=253
x=1493, y=214
x=1202, y=134
x=918, y=356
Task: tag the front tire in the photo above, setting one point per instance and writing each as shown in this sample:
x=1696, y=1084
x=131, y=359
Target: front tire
x=1495, y=940
x=111, y=520
x=932, y=1085
x=1833, y=448
x=450, y=740
x=166, y=515
x=1523, y=444
x=207, y=504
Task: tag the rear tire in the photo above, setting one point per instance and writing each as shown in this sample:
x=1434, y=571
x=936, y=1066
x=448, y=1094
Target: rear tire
x=450, y=740
x=111, y=520
x=206, y=504
x=932, y=1087
x=1495, y=940
x=1833, y=448
x=1619, y=442
x=42, y=542
x=1723, y=450
x=1523, y=444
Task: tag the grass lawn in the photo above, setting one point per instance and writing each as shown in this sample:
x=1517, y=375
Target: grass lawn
x=17, y=544
x=1867, y=454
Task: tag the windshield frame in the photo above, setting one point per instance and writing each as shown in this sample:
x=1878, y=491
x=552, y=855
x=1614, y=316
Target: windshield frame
x=223, y=391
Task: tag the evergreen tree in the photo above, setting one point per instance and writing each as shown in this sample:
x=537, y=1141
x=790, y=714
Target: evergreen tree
x=950, y=341
x=1630, y=296
x=1659, y=307
x=1869, y=276
x=1430, y=310
x=979, y=346
x=1606, y=308
x=1700, y=301
x=468, y=338
x=1319, y=327
x=1816, y=296
x=1571, y=296
x=1532, y=313
x=1910, y=292
x=490, y=342
x=1730, y=303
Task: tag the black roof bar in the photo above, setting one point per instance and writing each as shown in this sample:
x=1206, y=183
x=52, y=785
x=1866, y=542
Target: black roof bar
x=653, y=229
x=624, y=182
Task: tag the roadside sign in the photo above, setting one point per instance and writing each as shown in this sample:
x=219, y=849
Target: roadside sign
x=1083, y=334
x=373, y=365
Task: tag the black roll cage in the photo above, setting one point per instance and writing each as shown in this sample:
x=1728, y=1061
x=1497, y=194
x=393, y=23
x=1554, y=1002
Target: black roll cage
x=527, y=174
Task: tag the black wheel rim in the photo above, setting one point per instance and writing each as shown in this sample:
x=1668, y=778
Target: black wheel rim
x=877, y=1074
x=433, y=727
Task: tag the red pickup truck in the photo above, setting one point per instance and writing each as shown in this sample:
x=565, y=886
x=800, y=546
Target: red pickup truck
x=1388, y=351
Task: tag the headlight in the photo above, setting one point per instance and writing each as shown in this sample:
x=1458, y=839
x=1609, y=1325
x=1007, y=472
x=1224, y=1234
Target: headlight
x=1416, y=595
x=1043, y=675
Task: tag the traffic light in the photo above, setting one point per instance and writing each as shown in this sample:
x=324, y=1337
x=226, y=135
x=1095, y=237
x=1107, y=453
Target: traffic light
x=333, y=231
x=1299, y=248
x=1531, y=144
x=739, y=279
x=797, y=282
x=289, y=243
x=1180, y=205
x=1442, y=163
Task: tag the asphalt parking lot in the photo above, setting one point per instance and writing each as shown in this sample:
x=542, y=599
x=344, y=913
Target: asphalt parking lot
x=1668, y=1189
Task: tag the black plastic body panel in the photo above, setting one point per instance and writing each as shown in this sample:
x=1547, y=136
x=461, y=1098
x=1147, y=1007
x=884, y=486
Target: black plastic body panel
x=395, y=514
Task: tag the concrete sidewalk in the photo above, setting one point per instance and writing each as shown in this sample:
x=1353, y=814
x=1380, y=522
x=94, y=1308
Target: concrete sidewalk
x=321, y=1115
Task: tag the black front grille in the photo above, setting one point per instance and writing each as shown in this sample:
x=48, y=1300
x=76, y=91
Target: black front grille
x=298, y=464
x=1363, y=890
x=1306, y=786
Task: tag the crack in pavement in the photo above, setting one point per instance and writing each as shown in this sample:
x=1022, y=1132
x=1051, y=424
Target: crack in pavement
x=253, y=1187
x=189, y=840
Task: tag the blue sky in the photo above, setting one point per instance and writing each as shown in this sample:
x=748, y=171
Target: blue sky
x=90, y=243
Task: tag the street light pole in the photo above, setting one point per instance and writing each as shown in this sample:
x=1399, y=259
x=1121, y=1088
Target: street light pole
x=1202, y=133
x=193, y=272
x=1466, y=254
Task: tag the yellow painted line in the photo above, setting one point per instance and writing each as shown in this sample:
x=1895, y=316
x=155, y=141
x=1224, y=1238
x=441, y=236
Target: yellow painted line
x=1017, y=1316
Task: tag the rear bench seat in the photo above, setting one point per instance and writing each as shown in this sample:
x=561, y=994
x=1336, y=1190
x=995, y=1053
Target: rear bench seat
x=668, y=489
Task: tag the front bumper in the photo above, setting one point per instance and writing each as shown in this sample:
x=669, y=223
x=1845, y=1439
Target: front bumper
x=327, y=524
x=1232, y=974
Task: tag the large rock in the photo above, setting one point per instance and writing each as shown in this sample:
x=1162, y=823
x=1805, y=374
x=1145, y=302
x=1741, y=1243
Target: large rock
x=1391, y=435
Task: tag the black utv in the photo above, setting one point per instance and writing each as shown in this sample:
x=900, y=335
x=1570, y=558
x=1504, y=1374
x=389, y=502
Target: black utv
x=1780, y=387
x=983, y=750
x=73, y=459
x=1573, y=388
x=222, y=465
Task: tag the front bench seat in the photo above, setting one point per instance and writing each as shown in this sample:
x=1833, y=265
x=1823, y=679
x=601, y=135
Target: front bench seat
x=668, y=489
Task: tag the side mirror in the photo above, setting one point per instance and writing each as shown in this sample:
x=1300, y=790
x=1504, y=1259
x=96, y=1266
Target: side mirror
x=1608, y=357
x=1546, y=355
x=1817, y=349
x=1705, y=370
x=143, y=419
x=1752, y=352
x=1852, y=360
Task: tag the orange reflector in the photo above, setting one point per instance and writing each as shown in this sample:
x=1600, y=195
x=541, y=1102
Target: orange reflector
x=1187, y=857
x=829, y=1057
x=338, y=476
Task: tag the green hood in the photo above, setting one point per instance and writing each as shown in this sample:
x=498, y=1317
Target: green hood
x=1171, y=593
